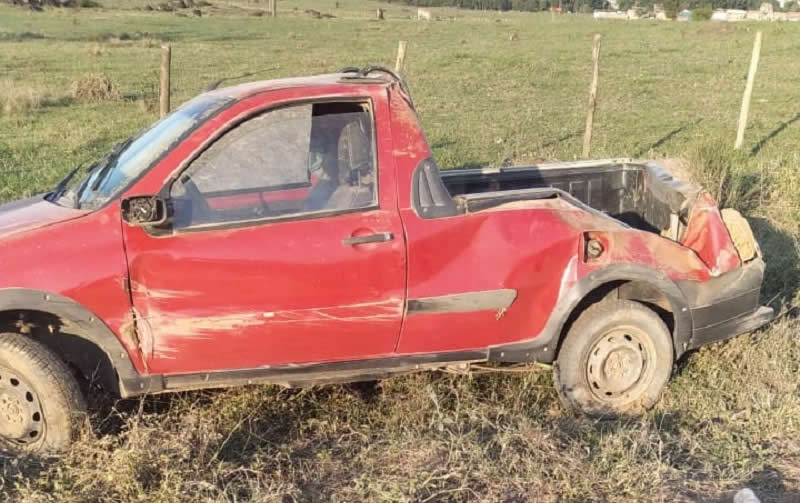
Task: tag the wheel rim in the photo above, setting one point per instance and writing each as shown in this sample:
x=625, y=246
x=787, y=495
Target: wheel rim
x=620, y=364
x=21, y=416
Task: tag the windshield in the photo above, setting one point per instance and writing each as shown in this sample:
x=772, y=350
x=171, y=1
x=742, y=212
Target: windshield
x=131, y=158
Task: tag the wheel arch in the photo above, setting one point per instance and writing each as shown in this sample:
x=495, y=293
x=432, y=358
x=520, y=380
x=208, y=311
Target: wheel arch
x=74, y=333
x=628, y=281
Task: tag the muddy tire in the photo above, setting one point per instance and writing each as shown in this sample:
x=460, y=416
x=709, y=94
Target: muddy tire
x=615, y=360
x=41, y=405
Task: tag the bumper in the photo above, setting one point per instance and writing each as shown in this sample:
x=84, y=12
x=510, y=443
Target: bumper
x=727, y=305
x=733, y=327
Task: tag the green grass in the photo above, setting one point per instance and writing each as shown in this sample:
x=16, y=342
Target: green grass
x=729, y=417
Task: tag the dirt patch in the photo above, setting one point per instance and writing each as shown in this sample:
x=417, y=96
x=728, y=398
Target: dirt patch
x=95, y=87
x=715, y=28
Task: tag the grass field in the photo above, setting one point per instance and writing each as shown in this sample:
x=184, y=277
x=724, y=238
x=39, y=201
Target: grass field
x=731, y=415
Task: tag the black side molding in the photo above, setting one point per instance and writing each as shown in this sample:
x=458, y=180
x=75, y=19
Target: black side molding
x=487, y=300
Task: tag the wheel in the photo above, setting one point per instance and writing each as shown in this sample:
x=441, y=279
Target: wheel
x=615, y=360
x=40, y=402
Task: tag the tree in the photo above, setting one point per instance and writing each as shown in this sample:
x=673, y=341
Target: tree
x=671, y=8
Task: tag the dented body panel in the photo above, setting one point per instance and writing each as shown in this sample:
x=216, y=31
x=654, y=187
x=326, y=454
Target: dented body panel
x=492, y=273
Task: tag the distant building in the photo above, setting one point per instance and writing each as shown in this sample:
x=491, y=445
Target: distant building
x=719, y=15
x=604, y=14
x=791, y=16
x=736, y=14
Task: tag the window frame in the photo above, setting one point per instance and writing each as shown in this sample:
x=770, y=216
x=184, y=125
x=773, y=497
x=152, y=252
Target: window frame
x=305, y=215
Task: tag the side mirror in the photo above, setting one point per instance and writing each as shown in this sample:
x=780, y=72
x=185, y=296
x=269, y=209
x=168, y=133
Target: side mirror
x=144, y=211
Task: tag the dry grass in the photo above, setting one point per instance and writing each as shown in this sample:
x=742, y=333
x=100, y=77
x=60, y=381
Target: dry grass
x=438, y=437
x=95, y=87
x=97, y=50
x=18, y=98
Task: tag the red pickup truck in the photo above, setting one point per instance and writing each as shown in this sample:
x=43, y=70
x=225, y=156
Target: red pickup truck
x=298, y=232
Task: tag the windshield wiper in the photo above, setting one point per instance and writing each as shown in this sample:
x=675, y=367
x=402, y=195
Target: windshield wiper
x=62, y=185
x=102, y=164
x=110, y=160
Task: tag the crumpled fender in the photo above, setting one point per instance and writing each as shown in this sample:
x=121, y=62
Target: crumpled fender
x=75, y=326
x=543, y=347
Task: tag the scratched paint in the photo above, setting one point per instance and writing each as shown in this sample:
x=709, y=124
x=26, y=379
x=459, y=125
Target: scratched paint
x=383, y=310
x=185, y=326
x=165, y=329
x=157, y=294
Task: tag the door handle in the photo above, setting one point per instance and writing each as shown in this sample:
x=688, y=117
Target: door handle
x=378, y=237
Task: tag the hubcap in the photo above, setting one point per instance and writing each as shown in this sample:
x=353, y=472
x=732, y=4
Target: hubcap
x=21, y=417
x=620, y=364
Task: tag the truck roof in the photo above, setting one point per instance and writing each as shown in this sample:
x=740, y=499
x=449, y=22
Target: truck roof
x=244, y=90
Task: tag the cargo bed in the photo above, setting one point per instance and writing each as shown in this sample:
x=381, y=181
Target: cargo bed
x=644, y=196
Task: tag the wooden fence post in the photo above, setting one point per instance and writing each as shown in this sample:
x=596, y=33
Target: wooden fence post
x=401, y=57
x=587, y=136
x=748, y=92
x=379, y=13
x=273, y=7
x=166, y=56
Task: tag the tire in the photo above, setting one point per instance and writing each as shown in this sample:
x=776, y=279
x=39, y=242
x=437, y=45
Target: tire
x=615, y=360
x=41, y=405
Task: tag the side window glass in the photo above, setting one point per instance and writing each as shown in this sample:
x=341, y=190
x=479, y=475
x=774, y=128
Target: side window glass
x=293, y=161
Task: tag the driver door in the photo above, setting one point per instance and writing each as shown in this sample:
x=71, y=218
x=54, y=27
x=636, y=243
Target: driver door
x=260, y=266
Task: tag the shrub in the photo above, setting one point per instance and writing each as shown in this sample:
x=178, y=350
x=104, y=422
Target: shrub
x=702, y=14
x=19, y=37
x=94, y=87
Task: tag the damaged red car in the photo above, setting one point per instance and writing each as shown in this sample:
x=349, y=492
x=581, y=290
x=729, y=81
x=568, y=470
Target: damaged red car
x=299, y=232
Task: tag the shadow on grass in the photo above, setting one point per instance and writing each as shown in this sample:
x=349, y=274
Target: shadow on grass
x=783, y=125
x=782, y=275
x=556, y=141
x=125, y=36
x=667, y=137
x=442, y=144
x=769, y=484
x=60, y=101
x=20, y=37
